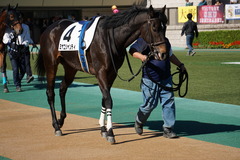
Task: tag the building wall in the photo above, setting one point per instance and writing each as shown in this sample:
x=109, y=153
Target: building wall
x=179, y=3
x=71, y=3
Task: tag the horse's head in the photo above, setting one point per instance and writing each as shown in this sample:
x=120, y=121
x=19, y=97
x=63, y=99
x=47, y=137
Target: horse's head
x=153, y=32
x=13, y=19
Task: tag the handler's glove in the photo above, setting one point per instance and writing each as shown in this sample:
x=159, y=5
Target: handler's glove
x=182, y=68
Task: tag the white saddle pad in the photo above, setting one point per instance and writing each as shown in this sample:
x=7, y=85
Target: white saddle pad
x=69, y=40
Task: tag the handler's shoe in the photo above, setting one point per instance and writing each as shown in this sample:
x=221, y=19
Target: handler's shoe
x=193, y=53
x=30, y=79
x=5, y=90
x=138, y=128
x=18, y=89
x=168, y=133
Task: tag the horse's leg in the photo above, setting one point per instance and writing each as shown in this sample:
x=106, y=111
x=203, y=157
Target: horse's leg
x=105, y=86
x=67, y=81
x=102, y=121
x=51, y=74
x=3, y=71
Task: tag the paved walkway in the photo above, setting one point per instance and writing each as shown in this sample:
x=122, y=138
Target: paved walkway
x=27, y=134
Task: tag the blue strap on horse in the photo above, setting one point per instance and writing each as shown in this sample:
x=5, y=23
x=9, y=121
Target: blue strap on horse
x=82, y=46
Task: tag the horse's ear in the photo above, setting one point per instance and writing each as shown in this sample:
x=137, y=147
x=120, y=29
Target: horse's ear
x=163, y=9
x=16, y=6
x=8, y=7
x=151, y=11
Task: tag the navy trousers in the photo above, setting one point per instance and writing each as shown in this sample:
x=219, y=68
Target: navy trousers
x=18, y=67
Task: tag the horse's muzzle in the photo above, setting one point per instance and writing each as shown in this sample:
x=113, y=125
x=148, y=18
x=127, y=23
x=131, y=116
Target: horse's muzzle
x=17, y=27
x=160, y=52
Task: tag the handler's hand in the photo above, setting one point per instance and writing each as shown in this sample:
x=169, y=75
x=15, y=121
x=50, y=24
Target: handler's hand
x=182, y=68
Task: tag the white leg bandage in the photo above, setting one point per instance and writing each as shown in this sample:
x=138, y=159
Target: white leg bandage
x=102, y=117
x=109, y=119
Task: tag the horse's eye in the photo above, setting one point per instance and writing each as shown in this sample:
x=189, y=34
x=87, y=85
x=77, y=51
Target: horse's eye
x=154, y=27
x=11, y=17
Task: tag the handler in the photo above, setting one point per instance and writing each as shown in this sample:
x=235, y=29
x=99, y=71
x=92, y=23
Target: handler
x=156, y=71
x=18, y=49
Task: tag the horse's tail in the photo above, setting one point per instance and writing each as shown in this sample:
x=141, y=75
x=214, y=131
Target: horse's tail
x=39, y=65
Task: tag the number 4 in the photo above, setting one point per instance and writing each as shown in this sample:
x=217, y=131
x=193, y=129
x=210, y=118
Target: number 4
x=67, y=36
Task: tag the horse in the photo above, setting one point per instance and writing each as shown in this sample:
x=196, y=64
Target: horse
x=9, y=18
x=105, y=56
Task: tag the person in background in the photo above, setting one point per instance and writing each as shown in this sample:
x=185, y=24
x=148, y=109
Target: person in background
x=202, y=3
x=29, y=22
x=189, y=3
x=114, y=9
x=85, y=18
x=24, y=41
x=73, y=17
x=189, y=28
x=233, y=1
x=218, y=3
x=154, y=72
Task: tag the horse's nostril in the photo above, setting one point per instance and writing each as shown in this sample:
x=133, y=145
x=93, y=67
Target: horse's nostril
x=163, y=56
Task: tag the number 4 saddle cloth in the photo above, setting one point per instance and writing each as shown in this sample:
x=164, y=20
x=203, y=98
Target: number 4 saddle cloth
x=78, y=37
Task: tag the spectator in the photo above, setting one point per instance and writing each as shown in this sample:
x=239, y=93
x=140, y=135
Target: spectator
x=30, y=25
x=202, y=3
x=25, y=40
x=189, y=28
x=233, y=1
x=218, y=3
x=189, y=3
x=44, y=25
x=73, y=17
x=85, y=18
x=114, y=9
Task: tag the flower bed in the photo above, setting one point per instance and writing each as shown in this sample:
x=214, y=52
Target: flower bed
x=218, y=40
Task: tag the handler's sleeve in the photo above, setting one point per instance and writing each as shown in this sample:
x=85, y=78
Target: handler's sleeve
x=140, y=45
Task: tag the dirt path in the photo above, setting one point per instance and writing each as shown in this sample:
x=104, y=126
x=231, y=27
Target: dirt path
x=27, y=134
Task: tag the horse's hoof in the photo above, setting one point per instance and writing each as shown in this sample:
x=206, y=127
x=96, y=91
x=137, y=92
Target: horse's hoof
x=5, y=90
x=104, y=134
x=111, y=140
x=58, y=133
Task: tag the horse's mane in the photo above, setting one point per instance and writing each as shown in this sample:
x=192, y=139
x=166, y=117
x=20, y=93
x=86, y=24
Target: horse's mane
x=122, y=18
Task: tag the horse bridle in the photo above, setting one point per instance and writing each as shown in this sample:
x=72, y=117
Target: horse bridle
x=153, y=44
x=10, y=23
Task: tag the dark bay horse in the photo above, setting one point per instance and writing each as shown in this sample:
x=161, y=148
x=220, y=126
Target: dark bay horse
x=9, y=18
x=106, y=52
